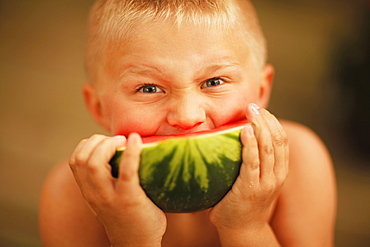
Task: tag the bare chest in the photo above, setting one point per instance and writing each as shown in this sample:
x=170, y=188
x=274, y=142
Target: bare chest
x=190, y=230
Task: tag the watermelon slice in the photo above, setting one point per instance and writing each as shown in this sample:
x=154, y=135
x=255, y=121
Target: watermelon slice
x=190, y=172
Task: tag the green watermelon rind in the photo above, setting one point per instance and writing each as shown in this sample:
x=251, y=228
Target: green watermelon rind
x=178, y=185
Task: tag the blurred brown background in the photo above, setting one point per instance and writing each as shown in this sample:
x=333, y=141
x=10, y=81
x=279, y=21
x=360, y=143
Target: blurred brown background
x=316, y=47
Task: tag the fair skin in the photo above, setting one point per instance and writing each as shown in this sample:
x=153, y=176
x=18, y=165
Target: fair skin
x=181, y=81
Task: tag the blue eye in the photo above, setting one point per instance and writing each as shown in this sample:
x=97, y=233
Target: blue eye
x=213, y=82
x=149, y=88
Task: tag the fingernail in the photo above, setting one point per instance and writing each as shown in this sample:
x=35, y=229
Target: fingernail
x=119, y=138
x=254, y=108
x=133, y=139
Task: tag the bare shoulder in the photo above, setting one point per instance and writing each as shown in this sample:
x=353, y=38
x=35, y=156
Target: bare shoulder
x=65, y=219
x=307, y=205
x=301, y=135
x=306, y=147
x=309, y=160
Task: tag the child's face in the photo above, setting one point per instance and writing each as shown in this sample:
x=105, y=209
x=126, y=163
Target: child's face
x=168, y=80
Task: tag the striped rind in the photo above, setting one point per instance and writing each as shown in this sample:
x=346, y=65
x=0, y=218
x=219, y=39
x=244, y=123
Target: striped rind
x=189, y=174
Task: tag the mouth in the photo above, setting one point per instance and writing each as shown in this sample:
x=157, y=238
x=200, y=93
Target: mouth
x=192, y=132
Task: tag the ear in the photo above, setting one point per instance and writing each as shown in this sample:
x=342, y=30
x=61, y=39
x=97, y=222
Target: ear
x=93, y=104
x=267, y=78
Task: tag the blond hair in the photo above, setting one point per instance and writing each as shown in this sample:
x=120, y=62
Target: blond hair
x=116, y=20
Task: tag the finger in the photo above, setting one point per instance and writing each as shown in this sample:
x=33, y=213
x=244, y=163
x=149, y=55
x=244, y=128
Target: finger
x=83, y=151
x=92, y=172
x=264, y=140
x=128, y=174
x=72, y=159
x=280, y=143
x=73, y=163
x=250, y=169
x=81, y=154
x=98, y=169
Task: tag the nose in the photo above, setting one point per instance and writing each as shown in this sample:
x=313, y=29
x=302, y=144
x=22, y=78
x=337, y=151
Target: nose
x=186, y=112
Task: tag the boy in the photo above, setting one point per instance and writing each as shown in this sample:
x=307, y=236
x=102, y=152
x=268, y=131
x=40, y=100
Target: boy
x=173, y=67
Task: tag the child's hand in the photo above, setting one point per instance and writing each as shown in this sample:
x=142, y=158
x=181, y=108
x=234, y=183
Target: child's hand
x=128, y=215
x=264, y=169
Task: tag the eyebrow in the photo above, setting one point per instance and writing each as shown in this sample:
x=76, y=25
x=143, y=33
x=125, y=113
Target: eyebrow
x=218, y=63
x=139, y=69
x=218, y=66
x=225, y=62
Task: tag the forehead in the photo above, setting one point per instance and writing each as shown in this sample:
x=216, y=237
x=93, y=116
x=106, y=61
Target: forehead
x=190, y=46
x=165, y=33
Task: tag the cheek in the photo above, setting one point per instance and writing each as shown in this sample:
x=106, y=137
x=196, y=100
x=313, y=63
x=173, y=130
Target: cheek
x=135, y=119
x=234, y=108
x=123, y=117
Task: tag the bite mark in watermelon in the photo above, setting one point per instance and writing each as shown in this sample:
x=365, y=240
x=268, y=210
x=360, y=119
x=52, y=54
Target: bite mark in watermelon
x=190, y=172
